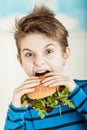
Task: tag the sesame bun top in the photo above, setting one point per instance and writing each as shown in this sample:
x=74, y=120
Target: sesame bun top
x=41, y=91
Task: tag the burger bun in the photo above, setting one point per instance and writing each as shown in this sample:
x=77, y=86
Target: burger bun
x=41, y=91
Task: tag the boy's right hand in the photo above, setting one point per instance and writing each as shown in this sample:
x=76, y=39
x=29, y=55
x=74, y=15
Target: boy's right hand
x=27, y=86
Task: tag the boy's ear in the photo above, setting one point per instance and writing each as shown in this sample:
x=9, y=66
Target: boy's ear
x=19, y=59
x=66, y=54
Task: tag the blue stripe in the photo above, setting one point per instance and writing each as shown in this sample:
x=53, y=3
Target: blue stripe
x=64, y=125
x=51, y=116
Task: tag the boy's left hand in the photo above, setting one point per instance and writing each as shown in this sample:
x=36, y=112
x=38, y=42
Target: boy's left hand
x=53, y=79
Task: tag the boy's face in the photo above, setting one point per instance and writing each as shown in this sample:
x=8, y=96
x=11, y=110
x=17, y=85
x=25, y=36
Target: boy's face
x=40, y=53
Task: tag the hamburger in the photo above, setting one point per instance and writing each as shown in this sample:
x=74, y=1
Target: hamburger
x=41, y=91
x=44, y=98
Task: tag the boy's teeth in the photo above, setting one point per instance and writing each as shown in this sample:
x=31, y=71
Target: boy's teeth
x=41, y=73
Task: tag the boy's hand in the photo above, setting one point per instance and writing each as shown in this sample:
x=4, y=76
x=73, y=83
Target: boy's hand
x=53, y=79
x=27, y=86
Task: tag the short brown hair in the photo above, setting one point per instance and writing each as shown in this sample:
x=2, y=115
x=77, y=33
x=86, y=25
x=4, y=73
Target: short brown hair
x=41, y=20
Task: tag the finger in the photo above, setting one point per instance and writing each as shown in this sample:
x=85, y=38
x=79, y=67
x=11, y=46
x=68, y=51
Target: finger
x=30, y=86
x=32, y=81
x=58, y=84
x=20, y=93
x=34, y=77
x=56, y=77
x=27, y=90
x=51, y=82
x=52, y=74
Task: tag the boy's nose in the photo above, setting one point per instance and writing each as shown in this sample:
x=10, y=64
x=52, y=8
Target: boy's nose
x=39, y=61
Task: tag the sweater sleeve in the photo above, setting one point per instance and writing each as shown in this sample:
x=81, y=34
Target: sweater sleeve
x=79, y=98
x=15, y=118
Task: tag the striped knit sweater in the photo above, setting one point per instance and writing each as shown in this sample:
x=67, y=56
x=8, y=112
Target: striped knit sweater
x=70, y=119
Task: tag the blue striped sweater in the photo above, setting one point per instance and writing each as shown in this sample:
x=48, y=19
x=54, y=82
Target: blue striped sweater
x=70, y=119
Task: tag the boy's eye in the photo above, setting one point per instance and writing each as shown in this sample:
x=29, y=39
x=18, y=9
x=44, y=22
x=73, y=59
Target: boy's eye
x=29, y=54
x=48, y=51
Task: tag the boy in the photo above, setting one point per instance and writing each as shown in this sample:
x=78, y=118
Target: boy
x=43, y=47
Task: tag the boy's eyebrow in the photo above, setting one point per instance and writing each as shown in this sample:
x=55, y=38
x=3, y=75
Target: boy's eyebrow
x=26, y=49
x=50, y=44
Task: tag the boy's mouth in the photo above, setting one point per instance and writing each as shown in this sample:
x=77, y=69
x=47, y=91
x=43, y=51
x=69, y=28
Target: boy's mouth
x=41, y=73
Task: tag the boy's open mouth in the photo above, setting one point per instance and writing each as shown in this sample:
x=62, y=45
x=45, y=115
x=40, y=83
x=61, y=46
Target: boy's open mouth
x=41, y=73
